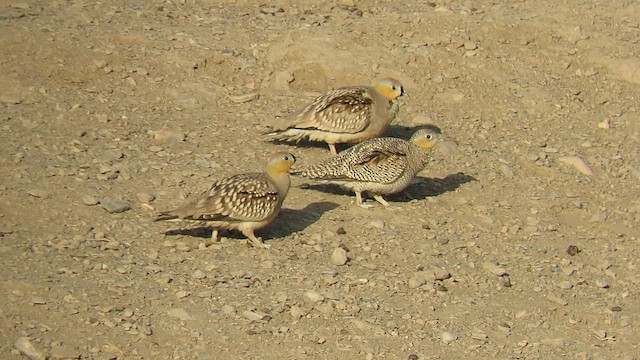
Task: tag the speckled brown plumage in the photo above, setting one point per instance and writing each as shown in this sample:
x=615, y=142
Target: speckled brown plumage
x=379, y=166
x=344, y=115
x=245, y=202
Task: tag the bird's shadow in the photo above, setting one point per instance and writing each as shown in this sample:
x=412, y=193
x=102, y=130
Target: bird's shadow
x=396, y=131
x=420, y=188
x=405, y=132
x=286, y=223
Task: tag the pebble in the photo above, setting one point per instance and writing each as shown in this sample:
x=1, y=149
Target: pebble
x=448, y=337
x=114, y=205
x=228, y=310
x=376, y=224
x=493, y=268
x=198, y=274
x=416, y=281
x=239, y=99
x=24, y=346
x=557, y=300
x=256, y=316
x=313, y=297
x=89, y=200
x=339, y=257
x=577, y=164
x=601, y=283
x=179, y=313
x=145, y=197
x=169, y=136
x=297, y=312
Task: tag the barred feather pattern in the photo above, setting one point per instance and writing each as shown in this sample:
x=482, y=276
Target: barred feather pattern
x=380, y=166
x=243, y=197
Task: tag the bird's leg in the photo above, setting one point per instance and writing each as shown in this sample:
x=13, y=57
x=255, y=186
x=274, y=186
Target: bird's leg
x=359, y=201
x=255, y=241
x=384, y=203
x=332, y=147
x=381, y=200
x=214, y=235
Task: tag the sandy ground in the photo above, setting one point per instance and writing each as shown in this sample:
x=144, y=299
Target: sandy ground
x=523, y=244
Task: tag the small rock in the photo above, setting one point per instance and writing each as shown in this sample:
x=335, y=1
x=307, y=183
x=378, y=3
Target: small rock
x=416, y=281
x=256, y=316
x=169, y=136
x=198, y=274
x=493, y=268
x=557, y=300
x=24, y=346
x=339, y=257
x=239, y=99
x=577, y=164
x=448, y=337
x=572, y=250
x=376, y=224
x=114, y=205
x=603, y=284
x=145, y=198
x=313, y=297
x=179, y=313
x=89, y=200
x=297, y=312
x=440, y=274
x=228, y=310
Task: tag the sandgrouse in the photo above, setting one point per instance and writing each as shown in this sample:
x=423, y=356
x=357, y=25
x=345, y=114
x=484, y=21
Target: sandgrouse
x=378, y=166
x=344, y=115
x=244, y=202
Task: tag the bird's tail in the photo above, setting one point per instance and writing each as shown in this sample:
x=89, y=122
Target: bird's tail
x=167, y=215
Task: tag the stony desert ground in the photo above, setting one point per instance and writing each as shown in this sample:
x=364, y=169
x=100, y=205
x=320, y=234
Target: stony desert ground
x=522, y=244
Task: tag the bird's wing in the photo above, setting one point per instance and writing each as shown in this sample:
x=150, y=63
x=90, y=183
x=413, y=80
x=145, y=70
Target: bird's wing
x=244, y=197
x=345, y=110
x=380, y=160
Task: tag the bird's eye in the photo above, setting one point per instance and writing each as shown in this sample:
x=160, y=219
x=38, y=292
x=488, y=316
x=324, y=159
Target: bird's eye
x=429, y=136
x=286, y=158
x=394, y=88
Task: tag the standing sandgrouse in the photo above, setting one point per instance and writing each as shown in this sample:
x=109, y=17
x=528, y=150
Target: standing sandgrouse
x=344, y=115
x=244, y=202
x=379, y=166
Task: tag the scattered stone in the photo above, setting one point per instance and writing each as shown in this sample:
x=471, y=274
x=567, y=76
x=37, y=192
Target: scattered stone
x=89, y=200
x=313, y=297
x=169, y=136
x=448, y=337
x=341, y=231
x=198, y=274
x=228, y=310
x=179, y=313
x=376, y=224
x=416, y=281
x=145, y=198
x=493, y=268
x=24, y=346
x=601, y=283
x=114, y=205
x=339, y=257
x=572, y=250
x=61, y=352
x=440, y=274
x=557, y=300
x=412, y=357
x=239, y=99
x=297, y=312
x=256, y=316
x=577, y=164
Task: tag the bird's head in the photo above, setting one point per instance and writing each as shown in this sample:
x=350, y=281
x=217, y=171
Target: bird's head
x=280, y=163
x=429, y=139
x=390, y=88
